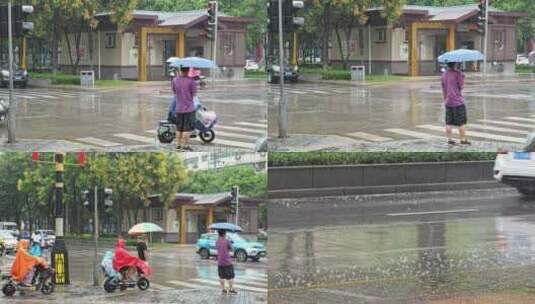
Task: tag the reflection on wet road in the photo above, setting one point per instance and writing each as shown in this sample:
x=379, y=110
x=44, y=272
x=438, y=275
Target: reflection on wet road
x=411, y=248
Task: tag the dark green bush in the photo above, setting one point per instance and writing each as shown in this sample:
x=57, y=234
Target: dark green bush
x=283, y=159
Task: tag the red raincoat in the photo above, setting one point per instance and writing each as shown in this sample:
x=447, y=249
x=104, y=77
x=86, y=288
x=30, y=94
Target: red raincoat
x=123, y=259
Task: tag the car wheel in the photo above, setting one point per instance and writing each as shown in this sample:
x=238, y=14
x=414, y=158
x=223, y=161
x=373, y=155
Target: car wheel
x=204, y=253
x=527, y=191
x=241, y=256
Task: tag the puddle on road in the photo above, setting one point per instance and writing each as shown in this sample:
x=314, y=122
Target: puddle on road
x=424, y=259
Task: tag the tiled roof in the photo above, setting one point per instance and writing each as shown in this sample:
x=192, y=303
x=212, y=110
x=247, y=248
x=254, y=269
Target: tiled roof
x=445, y=13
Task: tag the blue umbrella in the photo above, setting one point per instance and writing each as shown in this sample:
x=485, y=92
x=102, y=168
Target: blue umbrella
x=225, y=226
x=191, y=62
x=461, y=55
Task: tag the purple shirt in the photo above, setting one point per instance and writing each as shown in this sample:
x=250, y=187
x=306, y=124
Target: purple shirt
x=452, y=85
x=185, y=89
x=223, y=252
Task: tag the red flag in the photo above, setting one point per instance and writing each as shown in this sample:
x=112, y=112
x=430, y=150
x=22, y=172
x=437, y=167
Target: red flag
x=35, y=156
x=81, y=158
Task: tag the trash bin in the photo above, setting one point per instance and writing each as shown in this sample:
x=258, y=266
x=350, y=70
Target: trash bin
x=358, y=73
x=87, y=78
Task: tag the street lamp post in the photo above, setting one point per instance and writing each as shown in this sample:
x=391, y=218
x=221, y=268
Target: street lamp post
x=11, y=138
x=486, y=38
x=95, y=236
x=283, y=103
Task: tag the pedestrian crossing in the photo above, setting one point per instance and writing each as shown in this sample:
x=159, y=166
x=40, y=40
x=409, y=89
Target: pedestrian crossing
x=246, y=281
x=39, y=94
x=310, y=90
x=239, y=134
x=510, y=129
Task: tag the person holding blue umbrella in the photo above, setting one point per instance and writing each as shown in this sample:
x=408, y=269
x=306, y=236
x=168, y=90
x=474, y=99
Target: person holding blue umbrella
x=185, y=89
x=452, y=86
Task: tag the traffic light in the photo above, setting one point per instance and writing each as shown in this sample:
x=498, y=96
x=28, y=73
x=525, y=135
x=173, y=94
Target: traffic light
x=108, y=203
x=481, y=17
x=290, y=10
x=273, y=17
x=212, y=12
x=233, y=199
x=86, y=198
x=20, y=14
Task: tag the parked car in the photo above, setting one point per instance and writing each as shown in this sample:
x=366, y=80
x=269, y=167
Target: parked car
x=242, y=249
x=251, y=65
x=48, y=236
x=20, y=77
x=522, y=59
x=517, y=169
x=11, y=227
x=7, y=241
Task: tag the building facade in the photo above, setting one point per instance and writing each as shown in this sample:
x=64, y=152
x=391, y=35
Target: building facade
x=412, y=45
x=140, y=50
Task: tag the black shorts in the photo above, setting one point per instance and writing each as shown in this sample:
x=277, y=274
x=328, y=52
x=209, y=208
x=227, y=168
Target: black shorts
x=456, y=116
x=226, y=272
x=185, y=122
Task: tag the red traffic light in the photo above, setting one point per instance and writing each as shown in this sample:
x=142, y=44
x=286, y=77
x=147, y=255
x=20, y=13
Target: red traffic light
x=35, y=156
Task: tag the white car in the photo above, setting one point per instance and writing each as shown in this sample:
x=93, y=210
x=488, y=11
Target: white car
x=251, y=65
x=522, y=59
x=47, y=235
x=517, y=169
x=8, y=241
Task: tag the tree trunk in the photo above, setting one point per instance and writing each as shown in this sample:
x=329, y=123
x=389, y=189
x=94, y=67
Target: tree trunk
x=55, y=42
x=326, y=35
x=340, y=47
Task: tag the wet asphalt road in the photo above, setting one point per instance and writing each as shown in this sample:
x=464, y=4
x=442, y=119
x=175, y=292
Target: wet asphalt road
x=180, y=276
x=386, y=116
x=125, y=119
x=473, y=246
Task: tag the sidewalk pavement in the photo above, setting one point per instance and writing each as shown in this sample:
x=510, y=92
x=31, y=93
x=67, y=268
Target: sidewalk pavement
x=336, y=143
x=77, y=293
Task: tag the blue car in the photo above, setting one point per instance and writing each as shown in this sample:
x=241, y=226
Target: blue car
x=242, y=249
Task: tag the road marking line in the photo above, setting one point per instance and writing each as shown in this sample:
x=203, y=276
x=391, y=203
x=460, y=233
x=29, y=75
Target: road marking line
x=479, y=134
x=190, y=285
x=368, y=136
x=499, y=129
x=506, y=123
x=235, y=135
x=520, y=119
x=412, y=133
x=432, y=212
x=161, y=287
x=242, y=280
x=240, y=286
x=251, y=124
x=233, y=143
x=263, y=132
x=98, y=142
x=143, y=139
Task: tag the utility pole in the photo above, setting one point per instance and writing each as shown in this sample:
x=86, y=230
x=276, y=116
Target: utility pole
x=12, y=108
x=215, y=7
x=95, y=236
x=283, y=103
x=237, y=205
x=60, y=260
x=486, y=38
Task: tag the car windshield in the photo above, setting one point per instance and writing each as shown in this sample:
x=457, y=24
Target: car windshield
x=5, y=66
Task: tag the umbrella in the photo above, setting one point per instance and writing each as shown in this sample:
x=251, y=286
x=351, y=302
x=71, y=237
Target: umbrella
x=144, y=228
x=461, y=55
x=226, y=226
x=191, y=62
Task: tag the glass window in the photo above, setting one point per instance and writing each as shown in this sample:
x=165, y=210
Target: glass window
x=110, y=40
x=380, y=36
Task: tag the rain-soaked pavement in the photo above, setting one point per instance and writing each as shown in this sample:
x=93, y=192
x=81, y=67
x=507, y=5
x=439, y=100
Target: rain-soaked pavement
x=126, y=119
x=180, y=276
x=474, y=246
x=401, y=116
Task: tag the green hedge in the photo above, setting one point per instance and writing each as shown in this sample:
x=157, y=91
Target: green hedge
x=255, y=74
x=284, y=159
x=336, y=75
x=525, y=69
x=58, y=79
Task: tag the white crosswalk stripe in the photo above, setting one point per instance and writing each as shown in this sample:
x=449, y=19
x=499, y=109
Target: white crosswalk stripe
x=520, y=119
x=41, y=94
x=508, y=123
x=242, y=135
x=480, y=134
x=497, y=129
x=238, y=286
x=410, y=133
x=368, y=136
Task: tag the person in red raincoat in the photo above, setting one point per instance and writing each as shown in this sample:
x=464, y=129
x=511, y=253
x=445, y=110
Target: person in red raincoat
x=24, y=263
x=123, y=260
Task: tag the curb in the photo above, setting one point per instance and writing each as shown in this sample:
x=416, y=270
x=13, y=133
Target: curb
x=370, y=190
